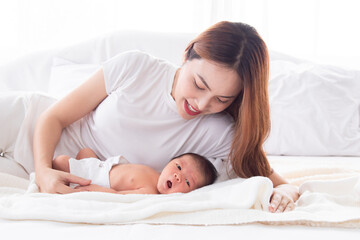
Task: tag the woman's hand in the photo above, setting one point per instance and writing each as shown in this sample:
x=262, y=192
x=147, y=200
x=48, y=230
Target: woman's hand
x=53, y=181
x=283, y=198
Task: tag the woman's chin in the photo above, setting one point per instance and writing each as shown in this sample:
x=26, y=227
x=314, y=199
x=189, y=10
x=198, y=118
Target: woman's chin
x=186, y=116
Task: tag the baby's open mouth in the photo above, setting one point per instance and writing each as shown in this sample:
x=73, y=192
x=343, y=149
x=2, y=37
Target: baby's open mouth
x=169, y=184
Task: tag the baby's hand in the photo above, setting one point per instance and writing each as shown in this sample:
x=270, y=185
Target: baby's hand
x=94, y=188
x=283, y=198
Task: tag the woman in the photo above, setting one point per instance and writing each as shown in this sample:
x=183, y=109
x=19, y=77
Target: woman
x=215, y=105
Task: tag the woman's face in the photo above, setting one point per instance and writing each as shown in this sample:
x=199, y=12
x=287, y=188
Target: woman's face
x=204, y=87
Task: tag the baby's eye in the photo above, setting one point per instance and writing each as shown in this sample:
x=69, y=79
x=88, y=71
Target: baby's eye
x=187, y=182
x=178, y=166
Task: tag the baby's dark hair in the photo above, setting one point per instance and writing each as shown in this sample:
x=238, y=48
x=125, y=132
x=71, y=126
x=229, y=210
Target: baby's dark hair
x=205, y=166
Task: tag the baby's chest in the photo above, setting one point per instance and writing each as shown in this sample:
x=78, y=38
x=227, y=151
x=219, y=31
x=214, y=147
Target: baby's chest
x=123, y=178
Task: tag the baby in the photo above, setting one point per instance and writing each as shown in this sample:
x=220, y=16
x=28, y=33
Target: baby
x=184, y=173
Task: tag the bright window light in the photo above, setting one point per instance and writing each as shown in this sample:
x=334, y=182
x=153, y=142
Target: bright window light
x=319, y=30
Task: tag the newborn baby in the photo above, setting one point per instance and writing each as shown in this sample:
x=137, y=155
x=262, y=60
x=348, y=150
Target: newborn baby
x=183, y=174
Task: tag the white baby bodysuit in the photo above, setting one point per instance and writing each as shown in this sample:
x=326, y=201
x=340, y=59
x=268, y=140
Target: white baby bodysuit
x=94, y=169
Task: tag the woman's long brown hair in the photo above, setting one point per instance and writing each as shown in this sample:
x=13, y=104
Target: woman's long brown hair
x=238, y=46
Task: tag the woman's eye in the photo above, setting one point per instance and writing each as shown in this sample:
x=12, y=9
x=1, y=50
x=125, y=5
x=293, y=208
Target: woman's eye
x=197, y=86
x=178, y=166
x=187, y=182
x=221, y=101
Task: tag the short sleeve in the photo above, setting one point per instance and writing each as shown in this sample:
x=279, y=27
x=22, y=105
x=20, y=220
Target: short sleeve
x=220, y=155
x=122, y=69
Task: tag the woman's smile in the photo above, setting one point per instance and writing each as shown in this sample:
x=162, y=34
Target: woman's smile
x=190, y=109
x=209, y=87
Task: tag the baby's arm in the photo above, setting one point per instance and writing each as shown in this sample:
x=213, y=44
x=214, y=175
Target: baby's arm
x=97, y=188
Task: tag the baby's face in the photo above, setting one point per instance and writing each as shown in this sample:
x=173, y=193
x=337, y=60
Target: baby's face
x=180, y=175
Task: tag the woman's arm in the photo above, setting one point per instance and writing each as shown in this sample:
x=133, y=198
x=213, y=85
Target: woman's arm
x=48, y=130
x=284, y=195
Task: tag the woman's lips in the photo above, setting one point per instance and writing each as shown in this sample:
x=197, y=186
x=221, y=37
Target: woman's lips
x=190, y=109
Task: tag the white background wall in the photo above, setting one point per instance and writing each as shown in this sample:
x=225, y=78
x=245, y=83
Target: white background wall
x=325, y=31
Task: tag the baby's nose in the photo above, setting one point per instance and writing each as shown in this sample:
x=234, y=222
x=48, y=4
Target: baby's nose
x=177, y=177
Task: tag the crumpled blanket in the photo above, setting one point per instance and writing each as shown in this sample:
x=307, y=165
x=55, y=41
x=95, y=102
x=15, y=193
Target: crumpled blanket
x=98, y=207
x=323, y=202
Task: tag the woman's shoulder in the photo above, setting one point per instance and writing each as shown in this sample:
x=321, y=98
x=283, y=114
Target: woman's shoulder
x=135, y=62
x=136, y=54
x=134, y=57
x=132, y=68
x=214, y=127
x=220, y=120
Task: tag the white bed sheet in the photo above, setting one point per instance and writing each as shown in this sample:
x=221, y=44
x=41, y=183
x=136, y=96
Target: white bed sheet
x=61, y=231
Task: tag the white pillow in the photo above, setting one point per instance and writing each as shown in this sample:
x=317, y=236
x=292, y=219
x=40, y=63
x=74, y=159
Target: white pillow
x=315, y=109
x=66, y=75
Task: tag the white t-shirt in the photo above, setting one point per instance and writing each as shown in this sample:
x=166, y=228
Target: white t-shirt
x=139, y=118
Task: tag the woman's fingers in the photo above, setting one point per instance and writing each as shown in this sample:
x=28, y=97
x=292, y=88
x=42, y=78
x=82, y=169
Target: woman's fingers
x=77, y=180
x=69, y=178
x=54, y=181
x=47, y=180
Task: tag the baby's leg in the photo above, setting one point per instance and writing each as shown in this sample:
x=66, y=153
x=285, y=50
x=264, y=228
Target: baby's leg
x=86, y=153
x=61, y=163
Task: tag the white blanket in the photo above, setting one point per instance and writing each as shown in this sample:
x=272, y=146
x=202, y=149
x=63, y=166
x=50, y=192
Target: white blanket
x=95, y=207
x=334, y=202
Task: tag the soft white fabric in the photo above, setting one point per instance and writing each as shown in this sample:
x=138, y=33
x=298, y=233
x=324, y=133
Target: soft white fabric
x=17, y=122
x=139, y=118
x=32, y=72
x=98, y=207
x=17, y=127
x=168, y=46
x=328, y=202
x=315, y=109
x=94, y=169
x=66, y=76
x=28, y=73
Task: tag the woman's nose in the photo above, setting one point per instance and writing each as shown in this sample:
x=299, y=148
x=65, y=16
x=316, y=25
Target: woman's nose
x=204, y=103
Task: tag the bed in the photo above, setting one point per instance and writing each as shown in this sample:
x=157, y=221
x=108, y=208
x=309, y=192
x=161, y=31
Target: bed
x=314, y=143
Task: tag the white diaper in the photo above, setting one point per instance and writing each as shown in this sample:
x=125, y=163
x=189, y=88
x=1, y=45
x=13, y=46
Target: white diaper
x=94, y=169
